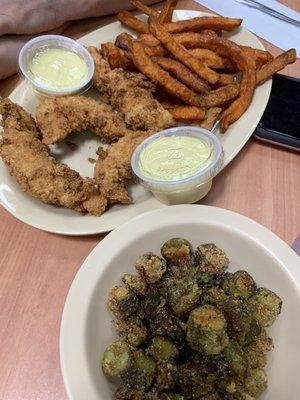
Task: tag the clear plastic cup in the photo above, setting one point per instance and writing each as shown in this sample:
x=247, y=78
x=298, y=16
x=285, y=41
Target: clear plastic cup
x=189, y=189
x=45, y=42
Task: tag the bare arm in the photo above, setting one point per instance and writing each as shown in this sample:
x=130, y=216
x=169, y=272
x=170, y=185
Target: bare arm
x=35, y=16
x=20, y=19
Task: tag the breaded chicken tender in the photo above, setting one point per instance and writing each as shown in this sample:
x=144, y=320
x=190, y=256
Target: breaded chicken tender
x=36, y=171
x=113, y=168
x=57, y=117
x=130, y=94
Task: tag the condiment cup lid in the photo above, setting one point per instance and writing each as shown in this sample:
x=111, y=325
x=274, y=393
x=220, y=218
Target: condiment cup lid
x=202, y=176
x=46, y=42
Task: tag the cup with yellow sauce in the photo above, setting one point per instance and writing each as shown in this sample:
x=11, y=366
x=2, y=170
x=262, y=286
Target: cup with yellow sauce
x=56, y=65
x=178, y=165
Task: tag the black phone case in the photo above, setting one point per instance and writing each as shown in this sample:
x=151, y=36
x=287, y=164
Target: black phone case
x=270, y=135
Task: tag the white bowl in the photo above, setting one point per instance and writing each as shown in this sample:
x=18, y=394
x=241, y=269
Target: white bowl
x=87, y=327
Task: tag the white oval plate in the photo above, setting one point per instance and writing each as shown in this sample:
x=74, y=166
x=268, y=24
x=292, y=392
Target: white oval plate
x=87, y=328
x=68, y=222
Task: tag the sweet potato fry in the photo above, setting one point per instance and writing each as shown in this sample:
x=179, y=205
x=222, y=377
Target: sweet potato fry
x=190, y=40
x=167, y=11
x=116, y=57
x=226, y=79
x=179, y=52
x=260, y=57
x=156, y=51
x=186, y=113
x=190, y=25
x=187, y=39
x=183, y=74
x=210, y=118
x=160, y=77
x=177, y=89
x=226, y=48
x=124, y=41
x=275, y=65
x=200, y=23
x=144, y=8
x=211, y=59
x=132, y=22
x=219, y=96
x=148, y=39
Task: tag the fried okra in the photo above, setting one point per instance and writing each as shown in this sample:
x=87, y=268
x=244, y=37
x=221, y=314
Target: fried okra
x=256, y=382
x=265, y=306
x=163, y=322
x=214, y=296
x=166, y=375
x=174, y=396
x=135, y=283
x=237, y=315
x=193, y=381
x=124, y=393
x=249, y=334
x=133, y=330
x=183, y=295
x=237, y=360
x=211, y=396
x=242, y=396
x=240, y=285
x=122, y=302
x=142, y=373
x=150, y=267
x=257, y=351
x=163, y=349
x=189, y=329
x=226, y=385
x=117, y=359
x=207, y=330
x=210, y=258
x=178, y=251
x=156, y=394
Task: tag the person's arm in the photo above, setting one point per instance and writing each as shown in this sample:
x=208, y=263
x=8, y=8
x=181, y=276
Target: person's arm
x=29, y=17
x=20, y=19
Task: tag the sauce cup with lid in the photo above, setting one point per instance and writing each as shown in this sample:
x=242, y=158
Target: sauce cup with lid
x=56, y=65
x=178, y=165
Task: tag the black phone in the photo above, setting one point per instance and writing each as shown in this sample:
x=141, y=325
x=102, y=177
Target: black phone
x=280, y=123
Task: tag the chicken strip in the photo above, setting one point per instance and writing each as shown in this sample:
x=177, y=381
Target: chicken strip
x=113, y=168
x=130, y=93
x=36, y=171
x=57, y=117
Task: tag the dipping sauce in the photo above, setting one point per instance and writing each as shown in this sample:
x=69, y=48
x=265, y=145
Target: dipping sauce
x=174, y=157
x=58, y=68
x=178, y=165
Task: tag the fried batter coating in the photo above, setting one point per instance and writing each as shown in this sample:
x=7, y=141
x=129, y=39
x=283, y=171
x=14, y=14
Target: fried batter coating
x=130, y=94
x=57, y=117
x=36, y=171
x=113, y=169
x=14, y=117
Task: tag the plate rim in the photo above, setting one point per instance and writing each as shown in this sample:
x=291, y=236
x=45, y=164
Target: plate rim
x=88, y=274
x=109, y=227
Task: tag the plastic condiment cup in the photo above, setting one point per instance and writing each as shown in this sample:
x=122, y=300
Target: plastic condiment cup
x=45, y=42
x=189, y=189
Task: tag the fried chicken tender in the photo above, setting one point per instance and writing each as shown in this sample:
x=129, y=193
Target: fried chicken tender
x=113, y=168
x=130, y=94
x=36, y=171
x=57, y=117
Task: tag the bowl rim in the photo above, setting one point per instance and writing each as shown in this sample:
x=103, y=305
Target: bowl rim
x=76, y=308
